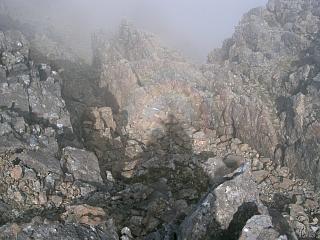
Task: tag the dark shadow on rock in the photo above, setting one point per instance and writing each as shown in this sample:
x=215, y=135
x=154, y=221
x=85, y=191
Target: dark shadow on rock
x=82, y=77
x=173, y=148
x=5, y=213
x=179, y=178
x=167, y=171
x=280, y=224
x=79, y=86
x=65, y=136
x=280, y=203
x=244, y=213
x=81, y=91
x=210, y=228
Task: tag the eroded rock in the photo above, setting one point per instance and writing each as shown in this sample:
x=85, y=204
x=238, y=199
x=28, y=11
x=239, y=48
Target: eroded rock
x=83, y=165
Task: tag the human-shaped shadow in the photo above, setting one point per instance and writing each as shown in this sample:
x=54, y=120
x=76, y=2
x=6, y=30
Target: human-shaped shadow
x=166, y=166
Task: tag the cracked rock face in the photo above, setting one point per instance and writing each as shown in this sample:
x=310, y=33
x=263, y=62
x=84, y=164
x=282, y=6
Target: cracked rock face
x=37, y=175
x=271, y=64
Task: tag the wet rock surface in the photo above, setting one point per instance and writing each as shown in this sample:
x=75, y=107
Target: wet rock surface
x=145, y=145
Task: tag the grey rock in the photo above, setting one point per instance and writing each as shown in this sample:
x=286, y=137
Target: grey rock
x=83, y=165
x=44, y=71
x=216, y=211
x=5, y=128
x=55, y=231
x=215, y=168
x=148, y=115
x=258, y=72
x=41, y=161
x=3, y=74
x=259, y=227
x=126, y=231
x=46, y=102
x=19, y=125
x=154, y=80
x=10, y=143
x=14, y=96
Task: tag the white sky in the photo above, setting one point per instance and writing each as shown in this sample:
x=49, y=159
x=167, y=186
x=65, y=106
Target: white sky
x=194, y=27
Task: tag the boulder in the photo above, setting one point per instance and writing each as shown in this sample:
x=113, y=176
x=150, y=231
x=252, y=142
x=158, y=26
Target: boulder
x=216, y=212
x=259, y=227
x=83, y=165
x=41, y=161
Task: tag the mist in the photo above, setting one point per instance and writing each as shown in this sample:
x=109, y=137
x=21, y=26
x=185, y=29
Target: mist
x=192, y=27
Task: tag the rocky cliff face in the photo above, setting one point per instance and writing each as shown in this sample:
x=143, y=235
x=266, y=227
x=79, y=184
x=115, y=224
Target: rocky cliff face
x=39, y=170
x=271, y=67
x=143, y=144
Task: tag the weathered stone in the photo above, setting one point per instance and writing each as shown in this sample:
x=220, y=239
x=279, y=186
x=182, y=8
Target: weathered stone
x=41, y=161
x=83, y=165
x=44, y=71
x=55, y=230
x=244, y=147
x=126, y=231
x=189, y=194
x=101, y=118
x=215, y=168
x=13, y=94
x=148, y=115
x=84, y=214
x=260, y=175
x=109, y=176
x=57, y=200
x=259, y=227
x=17, y=196
x=286, y=184
x=309, y=204
x=19, y=125
x=16, y=172
x=43, y=198
x=265, y=160
x=3, y=75
x=234, y=161
x=5, y=129
x=136, y=225
x=283, y=172
x=299, y=199
x=215, y=212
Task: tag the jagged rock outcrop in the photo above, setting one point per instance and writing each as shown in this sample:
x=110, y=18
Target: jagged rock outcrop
x=39, y=174
x=143, y=144
x=149, y=82
x=270, y=66
x=161, y=120
x=148, y=79
x=216, y=211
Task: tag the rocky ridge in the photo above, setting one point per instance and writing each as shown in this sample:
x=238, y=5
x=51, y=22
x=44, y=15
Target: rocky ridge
x=270, y=67
x=144, y=145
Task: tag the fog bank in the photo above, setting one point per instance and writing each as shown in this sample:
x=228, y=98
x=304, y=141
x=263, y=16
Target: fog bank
x=193, y=27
